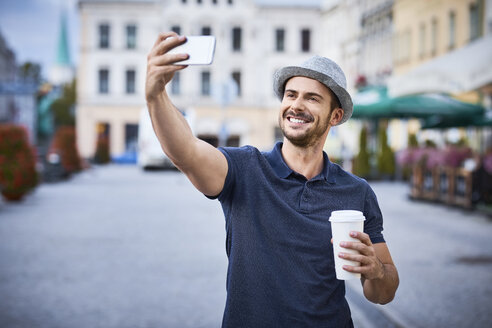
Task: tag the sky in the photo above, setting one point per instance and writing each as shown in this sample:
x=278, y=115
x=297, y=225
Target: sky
x=31, y=27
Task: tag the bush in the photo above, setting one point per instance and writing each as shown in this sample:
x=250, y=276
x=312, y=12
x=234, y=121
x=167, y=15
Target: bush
x=386, y=156
x=412, y=141
x=17, y=162
x=102, y=151
x=361, y=165
x=64, y=144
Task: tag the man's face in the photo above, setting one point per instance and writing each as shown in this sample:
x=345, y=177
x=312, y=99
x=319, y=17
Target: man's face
x=305, y=116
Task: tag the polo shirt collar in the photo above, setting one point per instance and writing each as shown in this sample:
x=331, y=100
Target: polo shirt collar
x=282, y=170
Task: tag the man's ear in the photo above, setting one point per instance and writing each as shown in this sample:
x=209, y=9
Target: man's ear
x=336, y=116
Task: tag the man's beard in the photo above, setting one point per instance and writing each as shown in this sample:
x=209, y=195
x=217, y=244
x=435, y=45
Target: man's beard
x=310, y=136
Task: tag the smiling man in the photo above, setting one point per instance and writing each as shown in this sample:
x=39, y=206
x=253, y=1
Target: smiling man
x=277, y=204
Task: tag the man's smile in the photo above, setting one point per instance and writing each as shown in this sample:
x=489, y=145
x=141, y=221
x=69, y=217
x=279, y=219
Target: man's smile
x=299, y=118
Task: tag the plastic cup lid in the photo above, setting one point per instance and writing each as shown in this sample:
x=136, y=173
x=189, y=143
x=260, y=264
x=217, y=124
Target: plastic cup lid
x=347, y=216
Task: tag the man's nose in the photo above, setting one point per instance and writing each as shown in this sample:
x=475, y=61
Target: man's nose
x=297, y=104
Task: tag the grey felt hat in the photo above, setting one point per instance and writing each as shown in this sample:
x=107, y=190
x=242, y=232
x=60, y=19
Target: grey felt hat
x=323, y=70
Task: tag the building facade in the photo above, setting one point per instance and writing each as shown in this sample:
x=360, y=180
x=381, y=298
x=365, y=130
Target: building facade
x=254, y=38
x=428, y=29
x=444, y=47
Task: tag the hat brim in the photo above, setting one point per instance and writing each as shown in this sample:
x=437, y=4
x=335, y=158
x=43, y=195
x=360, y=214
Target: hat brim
x=284, y=74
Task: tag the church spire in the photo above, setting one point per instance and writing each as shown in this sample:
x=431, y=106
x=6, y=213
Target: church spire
x=61, y=71
x=63, y=54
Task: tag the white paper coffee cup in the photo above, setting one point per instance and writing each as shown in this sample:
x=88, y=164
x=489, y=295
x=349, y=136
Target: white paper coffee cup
x=342, y=222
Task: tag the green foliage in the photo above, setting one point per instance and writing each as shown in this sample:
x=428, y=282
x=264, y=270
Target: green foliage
x=64, y=144
x=62, y=108
x=385, y=155
x=102, y=151
x=430, y=144
x=412, y=141
x=17, y=162
x=361, y=165
x=30, y=72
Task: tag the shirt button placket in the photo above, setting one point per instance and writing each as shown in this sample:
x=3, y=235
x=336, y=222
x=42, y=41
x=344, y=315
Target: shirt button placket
x=305, y=198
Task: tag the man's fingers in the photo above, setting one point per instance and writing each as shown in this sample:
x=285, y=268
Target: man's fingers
x=164, y=45
x=358, y=246
x=163, y=36
x=363, y=237
x=168, y=59
x=355, y=257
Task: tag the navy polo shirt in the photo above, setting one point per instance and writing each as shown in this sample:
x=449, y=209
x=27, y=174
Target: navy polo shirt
x=281, y=268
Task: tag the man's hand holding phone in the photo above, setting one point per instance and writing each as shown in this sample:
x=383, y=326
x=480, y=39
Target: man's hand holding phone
x=161, y=64
x=172, y=53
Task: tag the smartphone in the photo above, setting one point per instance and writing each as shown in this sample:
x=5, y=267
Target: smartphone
x=200, y=49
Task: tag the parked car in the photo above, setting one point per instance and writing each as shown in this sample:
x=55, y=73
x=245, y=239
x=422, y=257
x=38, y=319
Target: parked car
x=150, y=154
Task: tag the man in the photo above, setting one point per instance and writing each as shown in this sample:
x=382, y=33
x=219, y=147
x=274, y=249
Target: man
x=277, y=204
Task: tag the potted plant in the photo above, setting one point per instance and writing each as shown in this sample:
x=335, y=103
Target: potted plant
x=18, y=173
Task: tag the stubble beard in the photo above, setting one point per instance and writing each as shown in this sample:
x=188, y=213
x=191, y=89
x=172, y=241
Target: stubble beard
x=309, y=138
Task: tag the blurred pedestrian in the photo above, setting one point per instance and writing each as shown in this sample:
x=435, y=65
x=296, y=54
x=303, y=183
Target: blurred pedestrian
x=277, y=203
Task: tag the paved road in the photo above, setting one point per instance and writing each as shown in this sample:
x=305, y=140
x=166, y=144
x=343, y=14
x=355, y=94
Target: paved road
x=118, y=247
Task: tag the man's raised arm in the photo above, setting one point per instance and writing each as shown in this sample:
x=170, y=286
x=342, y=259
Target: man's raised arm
x=205, y=166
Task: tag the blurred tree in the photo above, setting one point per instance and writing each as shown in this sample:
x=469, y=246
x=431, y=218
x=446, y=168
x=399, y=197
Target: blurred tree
x=62, y=108
x=385, y=156
x=412, y=141
x=30, y=72
x=361, y=163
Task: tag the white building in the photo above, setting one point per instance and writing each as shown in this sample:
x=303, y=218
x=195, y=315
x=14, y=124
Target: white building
x=254, y=38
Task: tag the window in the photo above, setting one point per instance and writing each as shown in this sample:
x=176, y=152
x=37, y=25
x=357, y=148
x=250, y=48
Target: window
x=175, y=84
x=422, y=40
x=205, y=83
x=131, y=137
x=305, y=40
x=452, y=30
x=206, y=30
x=280, y=40
x=104, y=36
x=233, y=141
x=434, y=38
x=130, y=81
x=103, y=81
x=131, y=36
x=474, y=21
x=236, y=76
x=176, y=29
x=236, y=39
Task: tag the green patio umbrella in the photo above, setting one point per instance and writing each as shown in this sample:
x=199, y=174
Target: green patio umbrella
x=374, y=102
x=453, y=122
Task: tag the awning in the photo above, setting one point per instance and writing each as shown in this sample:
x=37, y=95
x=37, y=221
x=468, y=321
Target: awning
x=374, y=102
x=452, y=122
x=462, y=70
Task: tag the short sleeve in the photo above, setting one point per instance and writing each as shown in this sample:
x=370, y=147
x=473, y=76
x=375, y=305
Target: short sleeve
x=229, y=181
x=373, y=225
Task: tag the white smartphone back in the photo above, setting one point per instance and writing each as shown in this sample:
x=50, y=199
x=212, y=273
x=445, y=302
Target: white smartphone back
x=200, y=49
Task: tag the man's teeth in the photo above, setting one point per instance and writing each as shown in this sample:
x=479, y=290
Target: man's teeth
x=295, y=120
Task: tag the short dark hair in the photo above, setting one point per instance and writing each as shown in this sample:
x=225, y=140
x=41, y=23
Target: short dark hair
x=335, y=102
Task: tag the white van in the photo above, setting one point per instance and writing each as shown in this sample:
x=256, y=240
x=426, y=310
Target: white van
x=150, y=154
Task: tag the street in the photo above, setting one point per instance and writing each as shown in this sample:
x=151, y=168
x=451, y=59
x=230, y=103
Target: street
x=118, y=247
